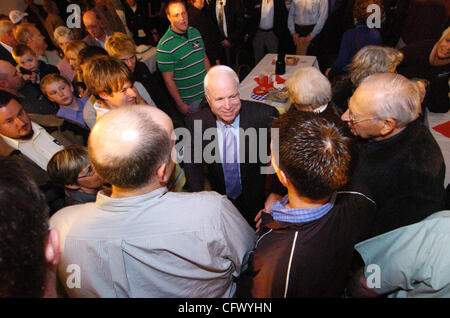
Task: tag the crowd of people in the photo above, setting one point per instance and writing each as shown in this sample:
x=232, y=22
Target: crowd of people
x=116, y=181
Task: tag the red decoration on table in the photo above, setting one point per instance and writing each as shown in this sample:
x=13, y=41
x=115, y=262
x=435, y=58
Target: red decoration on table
x=444, y=129
x=264, y=87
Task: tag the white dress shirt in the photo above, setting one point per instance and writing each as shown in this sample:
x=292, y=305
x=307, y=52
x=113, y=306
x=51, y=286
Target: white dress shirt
x=39, y=149
x=225, y=30
x=158, y=244
x=308, y=12
x=267, y=14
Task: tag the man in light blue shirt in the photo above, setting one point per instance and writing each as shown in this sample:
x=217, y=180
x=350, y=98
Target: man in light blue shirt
x=305, y=21
x=411, y=261
x=139, y=239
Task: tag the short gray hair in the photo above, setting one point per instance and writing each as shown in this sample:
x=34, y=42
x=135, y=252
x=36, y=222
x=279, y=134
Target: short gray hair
x=309, y=87
x=62, y=31
x=373, y=59
x=394, y=96
x=216, y=70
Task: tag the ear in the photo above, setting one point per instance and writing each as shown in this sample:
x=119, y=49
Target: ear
x=282, y=177
x=103, y=96
x=52, y=248
x=72, y=186
x=389, y=125
x=161, y=173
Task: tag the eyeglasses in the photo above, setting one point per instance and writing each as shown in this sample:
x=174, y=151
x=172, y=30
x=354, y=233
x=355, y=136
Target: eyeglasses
x=89, y=172
x=353, y=120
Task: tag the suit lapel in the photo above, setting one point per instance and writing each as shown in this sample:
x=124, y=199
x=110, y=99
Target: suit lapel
x=210, y=122
x=4, y=53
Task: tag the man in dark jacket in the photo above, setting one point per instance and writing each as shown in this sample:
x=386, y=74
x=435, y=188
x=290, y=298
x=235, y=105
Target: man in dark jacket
x=399, y=160
x=268, y=26
x=241, y=131
x=305, y=246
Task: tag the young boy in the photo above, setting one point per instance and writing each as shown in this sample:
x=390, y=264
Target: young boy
x=72, y=169
x=57, y=89
x=30, y=66
x=112, y=84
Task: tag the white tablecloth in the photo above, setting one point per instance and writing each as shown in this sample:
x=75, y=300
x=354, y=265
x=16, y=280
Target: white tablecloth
x=148, y=57
x=266, y=67
x=432, y=120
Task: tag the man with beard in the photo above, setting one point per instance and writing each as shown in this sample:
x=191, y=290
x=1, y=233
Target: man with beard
x=23, y=139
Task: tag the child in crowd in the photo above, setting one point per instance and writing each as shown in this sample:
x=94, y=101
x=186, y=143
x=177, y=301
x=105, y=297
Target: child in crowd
x=57, y=89
x=30, y=66
x=70, y=168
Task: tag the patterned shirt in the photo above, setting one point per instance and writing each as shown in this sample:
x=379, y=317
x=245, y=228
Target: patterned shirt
x=184, y=56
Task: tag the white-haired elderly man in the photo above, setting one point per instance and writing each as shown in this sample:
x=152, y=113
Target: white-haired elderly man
x=309, y=91
x=399, y=160
x=242, y=181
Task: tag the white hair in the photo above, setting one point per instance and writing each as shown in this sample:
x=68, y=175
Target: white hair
x=62, y=31
x=393, y=96
x=219, y=69
x=309, y=87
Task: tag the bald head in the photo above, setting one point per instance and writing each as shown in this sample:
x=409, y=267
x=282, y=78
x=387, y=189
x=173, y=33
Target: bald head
x=6, y=33
x=93, y=25
x=128, y=144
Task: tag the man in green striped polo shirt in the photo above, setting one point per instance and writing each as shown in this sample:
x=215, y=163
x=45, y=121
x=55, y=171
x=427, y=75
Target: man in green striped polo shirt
x=182, y=59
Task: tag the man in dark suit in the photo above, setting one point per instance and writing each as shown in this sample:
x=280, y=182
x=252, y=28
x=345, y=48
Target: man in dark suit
x=267, y=26
x=231, y=25
x=7, y=41
x=96, y=33
x=240, y=128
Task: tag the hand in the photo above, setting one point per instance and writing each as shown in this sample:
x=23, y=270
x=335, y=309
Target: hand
x=185, y=109
x=83, y=92
x=28, y=77
x=225, y=43
x=308, y=38
x=296, y=38
x=271, y=200
x=258, y=219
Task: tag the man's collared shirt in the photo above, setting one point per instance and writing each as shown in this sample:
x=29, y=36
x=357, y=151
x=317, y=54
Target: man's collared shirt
x=267, y=15
x=40, y=148
x=308, y=12
x=158, y=244
x=281, y=213
x=224, y=2
x=185, y=57
x=6, y=46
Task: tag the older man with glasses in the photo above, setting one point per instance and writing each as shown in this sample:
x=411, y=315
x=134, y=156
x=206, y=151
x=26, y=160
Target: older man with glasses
x=399, y=160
